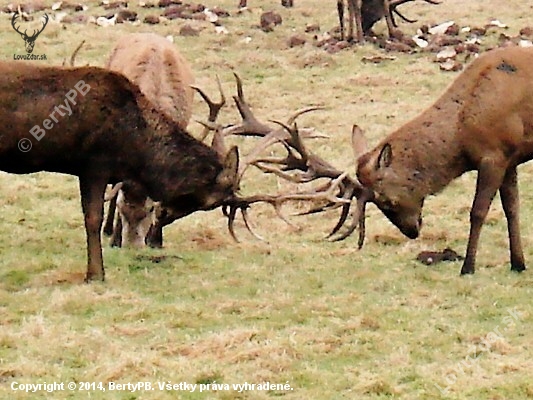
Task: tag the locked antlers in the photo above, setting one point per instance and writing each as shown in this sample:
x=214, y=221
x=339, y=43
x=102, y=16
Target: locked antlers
x=298, y=166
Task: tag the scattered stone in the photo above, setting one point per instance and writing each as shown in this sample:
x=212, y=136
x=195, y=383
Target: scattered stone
x=526, y=32
x=312, y=28
x=451, y=65
x=151, y=19
x=296, y=40
x=189, y=30
x=446, y=54
x=435, y=257
x=269, y=20
x=126, y=16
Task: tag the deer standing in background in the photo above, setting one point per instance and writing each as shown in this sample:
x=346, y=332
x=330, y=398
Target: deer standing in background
x=363, y=14
x=164, y=76
x=483, y=122
x=111, y=133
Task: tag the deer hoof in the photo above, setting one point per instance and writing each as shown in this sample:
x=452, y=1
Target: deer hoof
x=518, y=267
x=467, y=271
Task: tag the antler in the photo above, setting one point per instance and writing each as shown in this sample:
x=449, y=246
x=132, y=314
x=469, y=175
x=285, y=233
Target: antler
x=313, y=168
x=393, y=10
x=299, y=166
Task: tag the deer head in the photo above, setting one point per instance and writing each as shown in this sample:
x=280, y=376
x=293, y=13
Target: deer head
x=392, y=192
x=29, y=40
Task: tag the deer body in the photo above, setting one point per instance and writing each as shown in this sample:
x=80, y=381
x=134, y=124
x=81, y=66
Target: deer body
x=165, y=78
x=114, y=133
x=483, y=122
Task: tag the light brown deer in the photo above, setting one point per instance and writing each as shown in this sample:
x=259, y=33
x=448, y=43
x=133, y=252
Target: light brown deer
x=483, y=122
x=112, y=133
x=165, y=78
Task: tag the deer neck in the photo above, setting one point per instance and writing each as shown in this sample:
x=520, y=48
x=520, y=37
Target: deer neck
x=172, y=163
x=429, y=149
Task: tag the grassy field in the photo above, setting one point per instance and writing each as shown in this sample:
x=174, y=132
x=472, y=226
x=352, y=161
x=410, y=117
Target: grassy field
x=326, y=319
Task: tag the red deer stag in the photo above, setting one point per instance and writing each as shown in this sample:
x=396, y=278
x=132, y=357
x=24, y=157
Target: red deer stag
x=165, y=78
x=365, y=13
x=483, y=122
x=112, y=133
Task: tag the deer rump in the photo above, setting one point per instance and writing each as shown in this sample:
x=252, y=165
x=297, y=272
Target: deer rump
x=164, y=76
x=113, y=133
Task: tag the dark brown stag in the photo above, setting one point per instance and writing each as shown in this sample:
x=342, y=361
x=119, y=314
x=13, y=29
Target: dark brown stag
x=29, y=40
x=97, y=125
x=483, y=122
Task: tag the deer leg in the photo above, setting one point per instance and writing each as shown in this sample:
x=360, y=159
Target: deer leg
x=511, y=207
x=359, y=20
x=340, y=12
x=154, y=238
x=92, y=202
x=116, y=237
x=110, y=219
x=489, y=179
x=351, y=17
x=389, y=18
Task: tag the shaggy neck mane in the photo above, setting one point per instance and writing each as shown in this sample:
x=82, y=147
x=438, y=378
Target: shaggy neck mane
x=174, y=160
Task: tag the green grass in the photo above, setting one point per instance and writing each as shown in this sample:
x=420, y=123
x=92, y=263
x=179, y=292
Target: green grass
x=331, y=321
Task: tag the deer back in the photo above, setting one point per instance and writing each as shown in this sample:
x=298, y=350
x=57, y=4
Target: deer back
x=158, y=68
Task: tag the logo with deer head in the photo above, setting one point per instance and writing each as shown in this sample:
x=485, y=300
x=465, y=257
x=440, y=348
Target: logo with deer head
x=29, y=40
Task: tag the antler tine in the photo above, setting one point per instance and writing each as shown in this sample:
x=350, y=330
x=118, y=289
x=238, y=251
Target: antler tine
x=75, y=53
x=348, y=194
x=214, y=107
x=358, y=221
x=231, y=220
x=244, y=212
x=306, y=110
x=250, y=125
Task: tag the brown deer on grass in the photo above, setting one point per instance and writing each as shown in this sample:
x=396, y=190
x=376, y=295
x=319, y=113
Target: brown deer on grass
x=112, y=133
x=483, y=122
x=363, y=14
x=165, y=78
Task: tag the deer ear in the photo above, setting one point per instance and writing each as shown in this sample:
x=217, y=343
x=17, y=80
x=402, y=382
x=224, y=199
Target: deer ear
x=228, y=176
x=385, y=157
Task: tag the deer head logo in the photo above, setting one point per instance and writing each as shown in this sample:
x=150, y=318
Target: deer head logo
x=29, y=40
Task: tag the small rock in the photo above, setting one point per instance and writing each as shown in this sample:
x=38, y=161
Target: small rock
x=296, y=40
x=269, y=19
x=151, y=19
x=188, y=30
x=451, y=65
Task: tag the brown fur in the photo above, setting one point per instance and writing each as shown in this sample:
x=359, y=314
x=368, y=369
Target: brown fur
x=161, y=72
x=365, y=13
x=483, y=122
x=165, y=77
x=114, y=133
